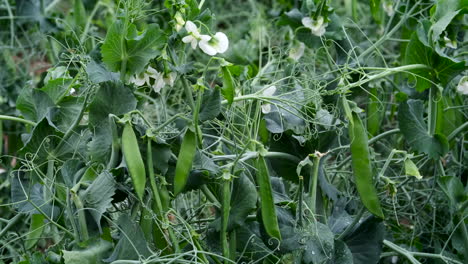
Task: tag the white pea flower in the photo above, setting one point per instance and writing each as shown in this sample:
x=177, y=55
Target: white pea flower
x=450, y=43
x=266, y=108
x=159, y=79
x=193, y=34
x=388, y=8
x=180, y=22
x=219, y=43
x=297, y=51
x=463, y=86
x=316, y=26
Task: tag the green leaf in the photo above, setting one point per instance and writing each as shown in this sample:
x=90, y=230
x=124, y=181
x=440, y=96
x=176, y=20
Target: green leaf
x=342, y=254
x=453, y=189
x=71, y=171
x=41, y=141
x=441, y=69
x=33, y=104
x=111, y=98
x=365, y=242
x=414, y=129
x=132, y=244
x=91, y=255
x=125, y=48
x=211, y=106
x=36, y=227
x=446, y=11
x=98, y=196
x=64, y=115
x=97, y=73
x=56, y=89
x=28, y=197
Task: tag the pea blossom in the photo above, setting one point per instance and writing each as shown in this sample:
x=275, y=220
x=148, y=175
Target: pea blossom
x=219, y=43
x=463, y=86
x=316, y=26
x=180, y=22
x=159, y=79
x=388, y=8
x=266, y=108
x=450, y=43
x=193, y=34
x=297, y=51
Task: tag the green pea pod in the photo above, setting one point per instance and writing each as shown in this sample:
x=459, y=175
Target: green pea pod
x=35, y=230
x=228, y=90
x=270, y=221
x=135, y=164
x=184, y=161
x=374, y=115
x=360, y=159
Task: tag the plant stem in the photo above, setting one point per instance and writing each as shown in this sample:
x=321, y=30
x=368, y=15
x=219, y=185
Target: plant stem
x=313, y=183
x=457, y=131
x=157, y=197
x=209, y=195
x=17, y=119
x=81, y=216
x=225, y=217
x=11, y=223
x=353, y=224
x=432, y=111
x=411, y=255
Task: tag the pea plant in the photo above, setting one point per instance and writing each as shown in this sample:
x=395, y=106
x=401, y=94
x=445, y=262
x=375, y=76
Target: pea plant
x=249, y=131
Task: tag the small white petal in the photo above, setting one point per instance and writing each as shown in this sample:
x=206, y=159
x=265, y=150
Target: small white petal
x=222, y=42
x=158, y=84
x=388, y=8
x=307, y=22
x=206, y=46
x=297, y=51
x=152, y=72
x=188, y=39
x=463, y=86
x=190, y=27
x=194, y=43
x=170, y=79
x=138, y=81
x=269, y=91
x=266, y=108
x=450, y=43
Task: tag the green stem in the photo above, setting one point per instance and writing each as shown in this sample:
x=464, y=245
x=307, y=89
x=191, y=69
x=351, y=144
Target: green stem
x=225, y=218
x=232, y=245
x=11, y=223
x=157, y=197
x=313, y=183
x=81, y=216
x=88, y=22
x=71, y=218
x=353, y=224
x=17, y=119
x=1, y=137
x=432, y=110
x=209, y=195
x=411, y=255
x=457, y=131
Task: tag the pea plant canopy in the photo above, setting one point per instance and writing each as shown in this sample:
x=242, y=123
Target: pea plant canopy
x=247, y=131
